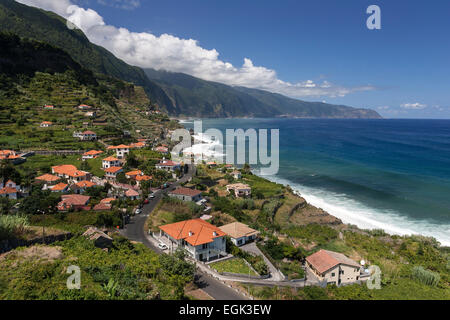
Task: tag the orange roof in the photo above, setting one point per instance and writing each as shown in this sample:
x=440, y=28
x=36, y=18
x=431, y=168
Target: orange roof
x=48, y=178
x=143, y=178
x=75, y=199
x=324, y=260
x=102, y=207
x=92, y=153
x=110, y=159
x=120, y=146
x=168, y=163
x=108, y=200
x=59, y=187
x=46, y=122
x=88, y=132
x=137, y=145
x=113, y=169
x=134, y=173
x=85, y=184
x=186, y=192
x=64, y=169
x=8, y=190
x=194, y=231
x=49, y=106
x=131, y=193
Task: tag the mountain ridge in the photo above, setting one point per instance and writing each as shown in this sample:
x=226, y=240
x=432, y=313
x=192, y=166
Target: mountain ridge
x=179, y=94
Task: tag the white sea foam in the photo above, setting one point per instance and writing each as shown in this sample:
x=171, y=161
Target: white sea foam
x=354, y=212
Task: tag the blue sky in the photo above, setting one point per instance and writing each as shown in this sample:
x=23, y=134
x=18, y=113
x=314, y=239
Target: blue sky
x=401, y=70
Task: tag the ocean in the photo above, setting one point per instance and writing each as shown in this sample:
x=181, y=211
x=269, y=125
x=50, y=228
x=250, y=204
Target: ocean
x=377, y=174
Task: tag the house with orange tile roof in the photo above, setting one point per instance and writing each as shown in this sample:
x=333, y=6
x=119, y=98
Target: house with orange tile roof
x=84, y=107
x=46, y=124
x=137, y=145
x=333, y=268
x=73, y=201
x=110, y=162
x=92, y=154
x=60, y=187
x=133, y=174
x=102, y=207
x=121, y=150
x=12, y=156
x=186, y=194
x=48, y=180
x=108, y=200
x=140, y=179
x=112, y=172
x=71, y=173
x=9, y=190
x=132, y=194
x=202, y=240
x=80, y=187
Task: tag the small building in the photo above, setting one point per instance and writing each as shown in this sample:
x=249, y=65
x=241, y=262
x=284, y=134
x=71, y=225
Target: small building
x=161, y=149
x=239, y=189
x=71, y=173
x=11, y=156
x=121, y=150
x=10, y=190
x=168, y=165
x=140, y=179
x=49, y=107
x=92, y=154
x=110, y=162
x=236, y=174
x=83, y=185
x=239, y=233
x=48, y=180
x=46, y=124
x=132, y=194
x=73, y=201
x=186, y=194
x=133, y=174
x=87, y=136
x=201, y=240
x=112, y=172
x=60, y=187
x=84, y=107
x=333, y=268
x=100, y=239
x=138, y=145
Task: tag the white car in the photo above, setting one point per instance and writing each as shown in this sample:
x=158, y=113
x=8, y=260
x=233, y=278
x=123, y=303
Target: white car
x=138, y=211
x=162, y=246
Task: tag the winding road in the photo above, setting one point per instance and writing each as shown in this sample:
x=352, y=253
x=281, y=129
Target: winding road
x=135, y=231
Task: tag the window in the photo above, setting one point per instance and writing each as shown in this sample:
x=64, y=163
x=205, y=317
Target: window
x=204, y=246
x=333, y=274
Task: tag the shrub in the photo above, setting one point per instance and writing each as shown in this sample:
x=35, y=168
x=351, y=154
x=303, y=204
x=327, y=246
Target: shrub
x=427, y=277
x=12, y=225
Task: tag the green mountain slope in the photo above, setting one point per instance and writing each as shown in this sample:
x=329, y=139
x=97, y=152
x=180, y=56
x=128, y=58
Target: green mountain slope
x=179, y=94
x=191, y=96
x=33, y=74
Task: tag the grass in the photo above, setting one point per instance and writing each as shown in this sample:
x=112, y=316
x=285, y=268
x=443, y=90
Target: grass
x=12, y=226
x=234, y=265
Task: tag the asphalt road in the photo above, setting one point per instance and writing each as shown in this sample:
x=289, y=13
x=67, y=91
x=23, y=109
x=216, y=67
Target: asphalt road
x=135, y=231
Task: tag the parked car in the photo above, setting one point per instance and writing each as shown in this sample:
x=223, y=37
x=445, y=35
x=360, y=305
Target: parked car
x=162, y=246
x=151, y=196
x=146, y=201
x=138, y=211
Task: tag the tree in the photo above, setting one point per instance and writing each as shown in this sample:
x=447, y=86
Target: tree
x=121, y=178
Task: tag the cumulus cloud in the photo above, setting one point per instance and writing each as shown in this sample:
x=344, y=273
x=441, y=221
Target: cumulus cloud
x=171, y=53
x=414, y=106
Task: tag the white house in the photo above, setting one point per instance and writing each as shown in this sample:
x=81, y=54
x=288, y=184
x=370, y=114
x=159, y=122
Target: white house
x=333, y=268
x=168, y=165
x=186, y=194
x=239, y=233
x=87, y=135
x=46, y=124
x=121, y=150
x=92, y=154
x=201, y=240
x=110, y=162
x=112, y=172
x=239, y=189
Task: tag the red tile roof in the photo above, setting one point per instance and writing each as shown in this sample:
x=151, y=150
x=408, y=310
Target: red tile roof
x=108, y=200
x=113, y=169
x=102, y=207
x=143, y=178
x=324, y=260
x=48, y=178
x=186, y=192
x=194, y=231
x=131, y=193
x=168, y=163
x=75, y=199
x=134, y=173
x=110, y=159
x=88, y=132
x=8, y=190
x=92, y=153
x=85, y=184
x=59, y=187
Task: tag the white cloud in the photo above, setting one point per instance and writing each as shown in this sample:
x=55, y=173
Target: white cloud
x=171, y=53
x=414, y=106
x=383, y=108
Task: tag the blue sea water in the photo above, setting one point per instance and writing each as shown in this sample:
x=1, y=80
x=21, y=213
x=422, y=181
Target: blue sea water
x=389, y=174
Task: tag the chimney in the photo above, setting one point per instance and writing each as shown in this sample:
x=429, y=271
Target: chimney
x=190, y=233
x=214, y=234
